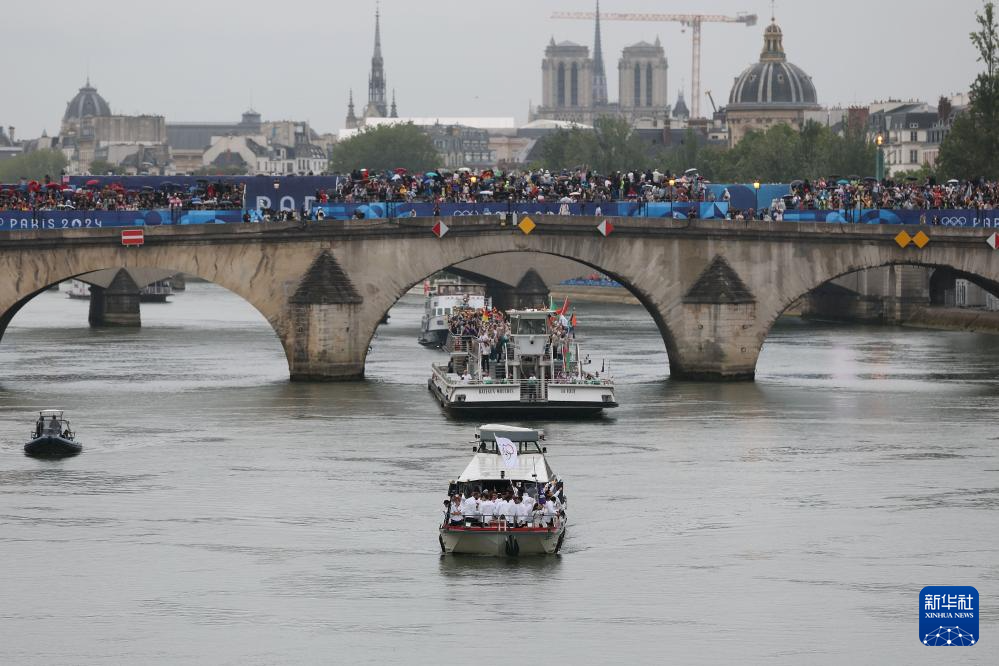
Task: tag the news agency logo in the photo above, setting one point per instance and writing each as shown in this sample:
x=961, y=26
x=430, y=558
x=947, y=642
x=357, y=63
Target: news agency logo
x=948, y=615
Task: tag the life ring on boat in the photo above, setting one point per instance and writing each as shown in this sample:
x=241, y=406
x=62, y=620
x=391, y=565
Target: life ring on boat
x=511, y=546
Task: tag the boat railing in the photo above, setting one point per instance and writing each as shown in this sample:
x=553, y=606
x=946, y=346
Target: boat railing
x=455, y=379
x=502, y=524
x=459, y=343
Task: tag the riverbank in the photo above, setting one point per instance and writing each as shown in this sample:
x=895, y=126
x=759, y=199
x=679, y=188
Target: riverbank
x=955, y=319
x=584, y=294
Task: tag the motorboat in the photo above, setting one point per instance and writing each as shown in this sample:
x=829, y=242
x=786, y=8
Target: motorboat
x=534, y=373
x=52, y=437
x=443, y=297
x=506, y=459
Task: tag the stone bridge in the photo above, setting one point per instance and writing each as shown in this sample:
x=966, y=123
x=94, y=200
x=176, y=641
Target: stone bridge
x=714, y=288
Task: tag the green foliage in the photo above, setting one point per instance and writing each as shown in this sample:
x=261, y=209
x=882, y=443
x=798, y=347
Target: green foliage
x=971, y=146
x=386, y=147
x=33, y=166
x=780, y=154
x=611, y=145
x=103, y=167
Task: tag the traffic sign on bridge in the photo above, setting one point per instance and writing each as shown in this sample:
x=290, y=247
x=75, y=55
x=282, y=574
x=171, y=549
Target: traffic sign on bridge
x=993, y=240
x=439, y=229
x=605, y=228
x=133, y=237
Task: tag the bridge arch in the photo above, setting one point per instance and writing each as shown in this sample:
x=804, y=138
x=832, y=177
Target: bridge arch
x=944, y=268
x=645, y=299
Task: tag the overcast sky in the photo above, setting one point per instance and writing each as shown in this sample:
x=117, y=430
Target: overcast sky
x=296, y=59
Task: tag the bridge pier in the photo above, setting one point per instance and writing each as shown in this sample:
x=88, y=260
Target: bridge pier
x=715, y=330
x=326, y=335
x=117, y=304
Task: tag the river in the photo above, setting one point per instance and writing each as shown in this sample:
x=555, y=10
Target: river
x=221, y=514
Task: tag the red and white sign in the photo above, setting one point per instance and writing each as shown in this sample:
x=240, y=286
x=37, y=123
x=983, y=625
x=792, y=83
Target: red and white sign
x=605, y=228
x=133, y=237
x=439, y=229
x=993, y=240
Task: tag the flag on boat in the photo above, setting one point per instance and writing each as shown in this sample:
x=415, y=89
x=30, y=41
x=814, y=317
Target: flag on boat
x=508, y=450
x=565, y=307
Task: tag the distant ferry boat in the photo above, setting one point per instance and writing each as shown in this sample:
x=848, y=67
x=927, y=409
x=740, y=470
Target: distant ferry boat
x=156, y=292
x=443, y=297
x=531, y=375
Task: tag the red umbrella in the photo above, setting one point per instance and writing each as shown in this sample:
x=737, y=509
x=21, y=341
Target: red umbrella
x=400, y=171
x=33, y=186
x=53, y=186
x=91, y=183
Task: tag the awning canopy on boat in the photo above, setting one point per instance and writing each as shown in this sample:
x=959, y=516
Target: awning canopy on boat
x=489, y=466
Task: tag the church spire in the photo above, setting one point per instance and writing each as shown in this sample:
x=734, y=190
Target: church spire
x=376, y=79
x=351, y=122
x=392, y=112
x=599, y=76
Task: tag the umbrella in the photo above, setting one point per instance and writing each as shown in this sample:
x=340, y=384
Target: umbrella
x=689, y=172
x=464, y=170
x=147, y=188
x=400, y=171
x=92, y=182
x=432, y=174
x=842, y=181
x=953, y=181
x=53, y=186
x=195, y=200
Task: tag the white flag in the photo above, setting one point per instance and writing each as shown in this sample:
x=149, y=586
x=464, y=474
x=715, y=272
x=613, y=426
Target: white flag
x=508, y=450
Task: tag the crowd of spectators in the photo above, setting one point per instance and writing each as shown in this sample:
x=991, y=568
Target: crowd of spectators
x=585, y=186
x=97, y=195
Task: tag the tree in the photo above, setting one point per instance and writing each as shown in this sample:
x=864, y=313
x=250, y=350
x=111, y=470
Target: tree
x=33, y=166
x=386, y=147
x=611, y=145
x=970, y=147
x=103, y=167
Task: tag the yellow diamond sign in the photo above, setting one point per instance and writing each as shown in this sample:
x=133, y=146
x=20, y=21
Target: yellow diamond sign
x=903, y=238
x=920, y=239
x=526, y=225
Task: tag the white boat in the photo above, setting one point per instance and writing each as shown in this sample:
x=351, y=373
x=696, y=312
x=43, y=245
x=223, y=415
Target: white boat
x=531, y=375
x=496, y=468
x=443, y=297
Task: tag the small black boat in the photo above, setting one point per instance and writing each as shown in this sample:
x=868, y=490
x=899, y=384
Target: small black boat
x=52, y=437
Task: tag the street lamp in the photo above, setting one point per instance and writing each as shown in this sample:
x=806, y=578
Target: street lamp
x=756, y=188
x=672, y=182
x=879, y=164
x=277, y=184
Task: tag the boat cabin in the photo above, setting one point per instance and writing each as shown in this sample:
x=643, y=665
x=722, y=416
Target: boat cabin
x=447, y=287
x=490, y=471
x=51, y=423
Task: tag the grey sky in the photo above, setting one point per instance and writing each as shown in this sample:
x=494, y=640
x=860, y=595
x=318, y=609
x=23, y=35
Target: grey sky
x=296, y=59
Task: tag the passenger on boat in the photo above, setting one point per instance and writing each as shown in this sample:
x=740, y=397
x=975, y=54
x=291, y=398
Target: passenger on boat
x=487, y=508
x=470, y=509
x=454, y=510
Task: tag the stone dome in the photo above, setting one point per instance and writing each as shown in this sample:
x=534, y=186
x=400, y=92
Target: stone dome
x=86, y=103
x=773, y=81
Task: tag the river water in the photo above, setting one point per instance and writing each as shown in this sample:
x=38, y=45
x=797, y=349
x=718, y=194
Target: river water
x=220, y=514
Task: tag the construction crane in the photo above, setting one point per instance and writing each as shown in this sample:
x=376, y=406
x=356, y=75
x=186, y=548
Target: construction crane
x=693, y=21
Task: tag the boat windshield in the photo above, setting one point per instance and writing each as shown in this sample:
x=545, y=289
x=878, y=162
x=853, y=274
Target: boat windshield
x=523, y=326
x=522, y=447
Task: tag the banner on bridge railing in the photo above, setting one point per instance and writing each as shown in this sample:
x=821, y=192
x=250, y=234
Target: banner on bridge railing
x=97, y=219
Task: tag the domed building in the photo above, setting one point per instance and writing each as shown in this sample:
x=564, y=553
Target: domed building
x=87, y=103
x=770, y=92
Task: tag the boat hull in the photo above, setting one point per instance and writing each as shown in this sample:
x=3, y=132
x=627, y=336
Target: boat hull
x=520, y=408
x=49, y=446
x=433, y=338
x=502, y=543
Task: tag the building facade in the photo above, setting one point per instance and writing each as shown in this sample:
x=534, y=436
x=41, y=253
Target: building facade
x=642, y=81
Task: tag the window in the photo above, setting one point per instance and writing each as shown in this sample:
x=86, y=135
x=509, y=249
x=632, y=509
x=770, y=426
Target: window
x=913, y=156
x=648, y=84
x=574, y=86
x=560, y=85
x=638, y=85
x=913, y=136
